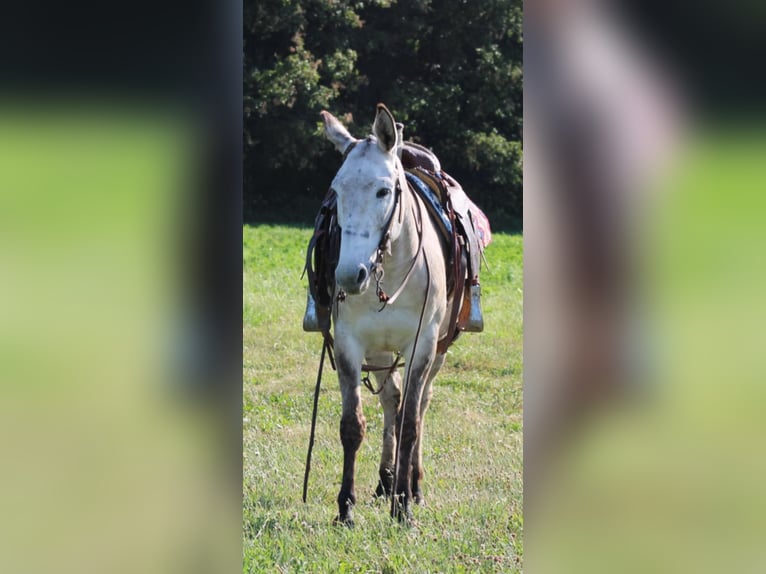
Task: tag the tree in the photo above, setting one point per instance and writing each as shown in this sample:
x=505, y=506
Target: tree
x=450, y=70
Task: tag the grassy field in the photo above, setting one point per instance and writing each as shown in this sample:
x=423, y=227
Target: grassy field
x=472, y=520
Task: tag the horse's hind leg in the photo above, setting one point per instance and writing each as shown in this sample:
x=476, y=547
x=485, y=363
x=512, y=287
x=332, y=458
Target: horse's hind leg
x=417, y=457
x=390, y=395
x=352, y=428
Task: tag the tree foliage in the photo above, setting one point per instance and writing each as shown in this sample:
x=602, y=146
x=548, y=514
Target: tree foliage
x=450, y=70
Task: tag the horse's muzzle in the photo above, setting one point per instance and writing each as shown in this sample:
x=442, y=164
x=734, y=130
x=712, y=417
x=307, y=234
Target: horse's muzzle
x=353, y=280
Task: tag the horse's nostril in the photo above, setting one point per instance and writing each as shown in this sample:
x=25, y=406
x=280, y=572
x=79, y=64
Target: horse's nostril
x=362, y=275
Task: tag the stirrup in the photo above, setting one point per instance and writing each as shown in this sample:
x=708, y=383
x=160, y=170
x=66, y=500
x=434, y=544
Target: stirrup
x=316, y=319
x=475, y=323
x=310, y=318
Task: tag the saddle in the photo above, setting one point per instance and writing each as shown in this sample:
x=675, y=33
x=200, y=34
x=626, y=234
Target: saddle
x=472, y=224
x=463, y=228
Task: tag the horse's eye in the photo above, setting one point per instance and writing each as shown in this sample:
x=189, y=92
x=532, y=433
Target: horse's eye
x=383, y=192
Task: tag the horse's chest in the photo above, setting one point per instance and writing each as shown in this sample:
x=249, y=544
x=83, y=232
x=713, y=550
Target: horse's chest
x=388, y=330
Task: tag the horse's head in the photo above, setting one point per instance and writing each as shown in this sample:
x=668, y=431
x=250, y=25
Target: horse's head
x=367, y=187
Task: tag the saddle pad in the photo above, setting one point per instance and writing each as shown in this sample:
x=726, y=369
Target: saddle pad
x=434, y=205
x=481, y=223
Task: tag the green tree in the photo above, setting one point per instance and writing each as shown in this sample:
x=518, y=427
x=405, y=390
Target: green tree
x=450, y=70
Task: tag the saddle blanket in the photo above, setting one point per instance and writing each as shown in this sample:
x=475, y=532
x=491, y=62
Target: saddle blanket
x=429, y=189
x=434, y=204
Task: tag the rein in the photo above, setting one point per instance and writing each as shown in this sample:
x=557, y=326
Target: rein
x=419, y=221
x=326, y=347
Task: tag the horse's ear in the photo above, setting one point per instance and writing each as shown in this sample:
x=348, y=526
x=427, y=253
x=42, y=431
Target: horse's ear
x=336, y=132
x=384, y=128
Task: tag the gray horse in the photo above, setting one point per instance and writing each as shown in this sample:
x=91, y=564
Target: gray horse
x=387, y=238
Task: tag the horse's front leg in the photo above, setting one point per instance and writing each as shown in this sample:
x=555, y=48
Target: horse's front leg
x=352, y=428
x=408, y=427
x=390, y=395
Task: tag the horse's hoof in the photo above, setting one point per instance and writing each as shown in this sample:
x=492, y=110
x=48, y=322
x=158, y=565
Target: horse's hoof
x=348, y=521
x=402, y=511
x=418, y=498
x=385, y=484
x=384, y=489
x=405, y=518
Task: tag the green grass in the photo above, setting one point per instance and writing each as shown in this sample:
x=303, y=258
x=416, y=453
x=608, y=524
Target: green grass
x=472, y=520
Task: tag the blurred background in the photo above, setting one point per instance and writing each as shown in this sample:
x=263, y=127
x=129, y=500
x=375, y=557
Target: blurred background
x=120, y=291
x=644, y=251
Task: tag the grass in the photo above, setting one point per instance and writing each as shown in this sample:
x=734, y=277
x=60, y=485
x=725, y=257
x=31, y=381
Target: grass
x=472, y=520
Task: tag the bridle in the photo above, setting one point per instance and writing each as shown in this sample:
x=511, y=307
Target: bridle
x=385, y=240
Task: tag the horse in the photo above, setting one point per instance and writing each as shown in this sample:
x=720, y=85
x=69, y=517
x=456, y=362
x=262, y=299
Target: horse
x=386, y=239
